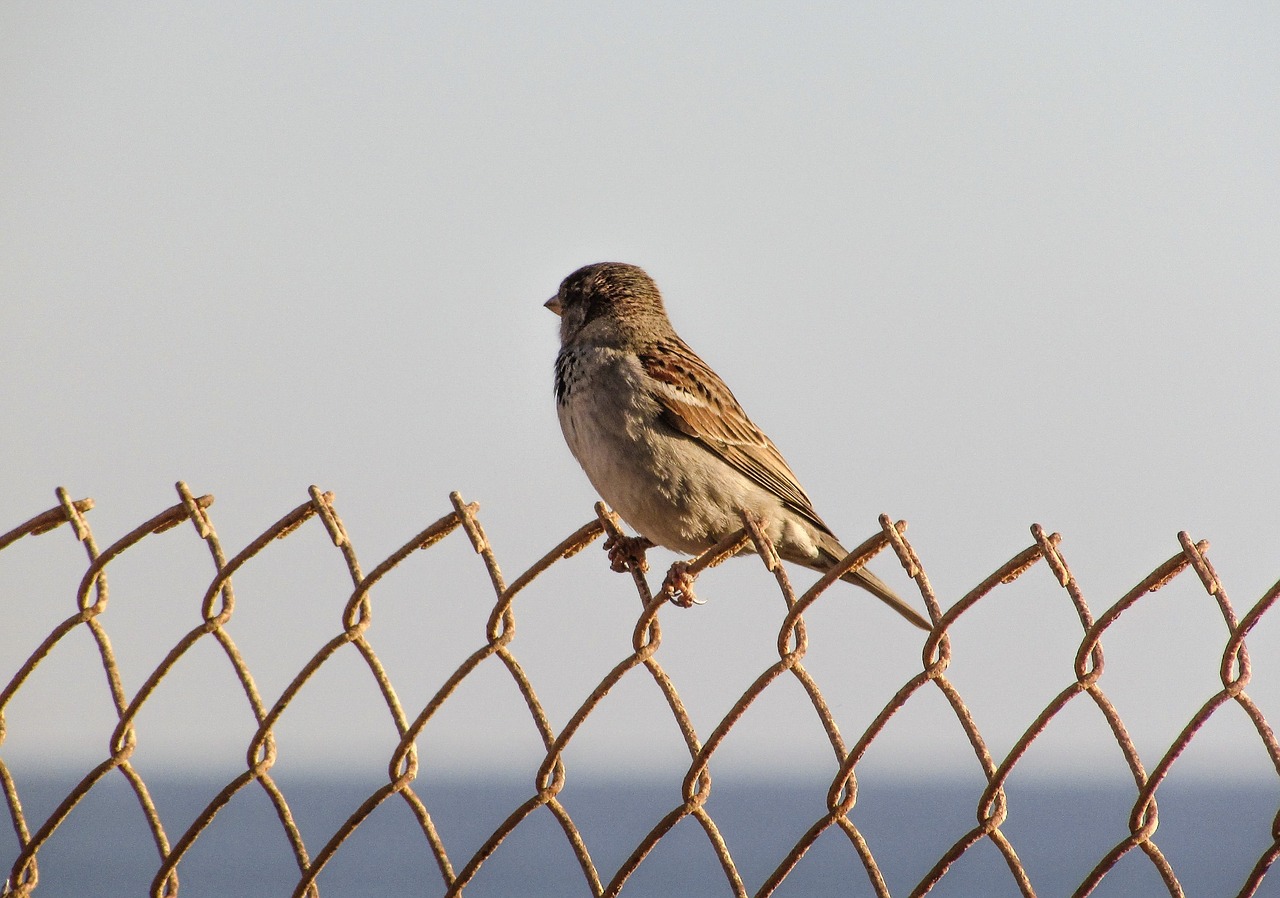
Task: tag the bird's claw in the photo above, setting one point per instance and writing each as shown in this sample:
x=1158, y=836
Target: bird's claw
x=626, y=553
x=678, y=586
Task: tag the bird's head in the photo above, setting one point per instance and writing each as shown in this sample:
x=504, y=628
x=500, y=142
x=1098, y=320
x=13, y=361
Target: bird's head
x=606, y=303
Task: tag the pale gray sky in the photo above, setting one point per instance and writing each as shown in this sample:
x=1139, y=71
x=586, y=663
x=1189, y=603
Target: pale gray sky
x=972, y=265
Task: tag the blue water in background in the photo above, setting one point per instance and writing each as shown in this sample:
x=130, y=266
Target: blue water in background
x=1212, y=834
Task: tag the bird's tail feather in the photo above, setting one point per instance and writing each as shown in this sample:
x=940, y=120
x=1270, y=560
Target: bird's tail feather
x=878, y=588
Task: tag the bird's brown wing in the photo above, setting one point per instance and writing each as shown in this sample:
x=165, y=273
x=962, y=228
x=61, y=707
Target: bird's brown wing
x=697, y=403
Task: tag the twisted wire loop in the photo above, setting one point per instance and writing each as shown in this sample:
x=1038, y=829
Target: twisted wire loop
x=498, y=645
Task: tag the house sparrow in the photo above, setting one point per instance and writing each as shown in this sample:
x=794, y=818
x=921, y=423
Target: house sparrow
x=664, y=441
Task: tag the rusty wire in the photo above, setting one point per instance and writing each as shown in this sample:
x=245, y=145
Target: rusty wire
x=218, y=604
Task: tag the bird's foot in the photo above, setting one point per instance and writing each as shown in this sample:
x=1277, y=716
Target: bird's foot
x=678, y=586
x=626, y=553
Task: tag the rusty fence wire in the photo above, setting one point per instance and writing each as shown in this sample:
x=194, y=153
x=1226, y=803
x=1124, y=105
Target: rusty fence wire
x=455, y=873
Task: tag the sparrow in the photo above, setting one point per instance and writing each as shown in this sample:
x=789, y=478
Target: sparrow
x=664, y=441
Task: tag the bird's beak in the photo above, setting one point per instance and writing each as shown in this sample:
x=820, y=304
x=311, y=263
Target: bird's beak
x=554, y=304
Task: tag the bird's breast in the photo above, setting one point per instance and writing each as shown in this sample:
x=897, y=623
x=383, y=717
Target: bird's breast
x=665, y=485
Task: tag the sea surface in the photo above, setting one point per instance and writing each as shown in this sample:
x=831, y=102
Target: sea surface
x=1212, y=834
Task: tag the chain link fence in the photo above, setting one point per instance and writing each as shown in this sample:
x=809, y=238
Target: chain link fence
x=218, y=605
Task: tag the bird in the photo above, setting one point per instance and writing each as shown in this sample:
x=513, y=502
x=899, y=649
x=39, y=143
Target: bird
x=662, y=438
